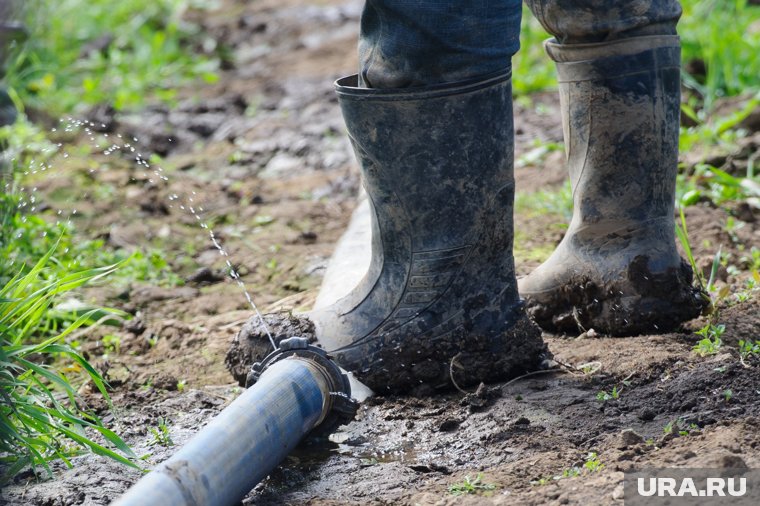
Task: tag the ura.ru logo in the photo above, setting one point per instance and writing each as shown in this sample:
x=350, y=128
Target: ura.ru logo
x=713, y=487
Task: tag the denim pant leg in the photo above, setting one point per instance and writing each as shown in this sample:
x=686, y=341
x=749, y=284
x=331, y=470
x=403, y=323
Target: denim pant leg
x=405, y=43
x=589, y=21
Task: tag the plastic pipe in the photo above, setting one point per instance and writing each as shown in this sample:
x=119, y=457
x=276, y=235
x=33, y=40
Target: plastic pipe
x=292, y=394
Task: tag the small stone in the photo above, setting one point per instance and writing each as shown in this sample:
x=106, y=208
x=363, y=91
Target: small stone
x=204, y=275
x=617, y=494
x=629, y=438
x=134, y=326
x=647, y=414
x=449, y=425
x=732, y=462
x=629, y=455
x=281, y=165
x=522, y=421
x=165, y=382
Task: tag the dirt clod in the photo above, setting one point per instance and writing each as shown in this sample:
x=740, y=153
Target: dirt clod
x=252, y=343
x=628, y=438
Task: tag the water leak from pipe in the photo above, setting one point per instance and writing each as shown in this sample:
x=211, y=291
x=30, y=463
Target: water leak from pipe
x=118, y=144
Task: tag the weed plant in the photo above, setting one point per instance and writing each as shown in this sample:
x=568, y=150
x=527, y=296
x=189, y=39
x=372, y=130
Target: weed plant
x=711, y=341
x=749, y=349
x=161, y=435
x=713, y=184
x=42, y=418
x=472, y=485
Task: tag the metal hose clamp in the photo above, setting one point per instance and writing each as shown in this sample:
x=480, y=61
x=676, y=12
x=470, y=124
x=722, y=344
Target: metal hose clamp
x=342, y=407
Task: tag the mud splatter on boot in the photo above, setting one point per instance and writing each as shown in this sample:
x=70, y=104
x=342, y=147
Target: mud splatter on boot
x=617, y=269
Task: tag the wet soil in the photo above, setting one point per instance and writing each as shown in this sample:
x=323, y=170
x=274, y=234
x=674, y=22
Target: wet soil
x=263, y=153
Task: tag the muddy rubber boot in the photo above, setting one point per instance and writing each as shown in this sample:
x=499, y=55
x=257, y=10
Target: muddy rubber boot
x=439, y=300
x=617, y=269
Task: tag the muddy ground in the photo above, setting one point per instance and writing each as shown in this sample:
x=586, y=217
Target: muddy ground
x=263, y=154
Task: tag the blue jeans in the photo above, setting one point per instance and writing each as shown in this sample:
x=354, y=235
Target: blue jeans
x=405, y=43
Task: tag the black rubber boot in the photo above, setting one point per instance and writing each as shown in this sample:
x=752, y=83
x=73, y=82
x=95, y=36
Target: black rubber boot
x=440, y=297
x=617, y=269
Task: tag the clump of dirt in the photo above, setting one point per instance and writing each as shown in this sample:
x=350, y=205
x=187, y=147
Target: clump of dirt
x=253, y=343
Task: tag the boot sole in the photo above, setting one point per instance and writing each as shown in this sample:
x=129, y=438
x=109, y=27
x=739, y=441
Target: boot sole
x=662, y=305
x=457, y=357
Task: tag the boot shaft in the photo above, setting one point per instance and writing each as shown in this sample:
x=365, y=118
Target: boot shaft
x=620, y=111
x=437, y=161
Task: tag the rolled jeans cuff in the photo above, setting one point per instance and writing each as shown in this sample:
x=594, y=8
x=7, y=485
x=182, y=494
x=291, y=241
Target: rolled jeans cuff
x=418, y=43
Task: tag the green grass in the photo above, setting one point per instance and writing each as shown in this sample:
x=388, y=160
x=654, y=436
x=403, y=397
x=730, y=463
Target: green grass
x=26, y=233
x=146, y=51
x=42, y=418
x=726, y=37
x=559, y=202
x=26, y=237
x=533, y=70
x=472, y=485
x=710, y=183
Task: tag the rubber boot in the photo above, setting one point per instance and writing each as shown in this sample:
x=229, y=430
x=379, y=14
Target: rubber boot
x=617, y=269
x=439, y=301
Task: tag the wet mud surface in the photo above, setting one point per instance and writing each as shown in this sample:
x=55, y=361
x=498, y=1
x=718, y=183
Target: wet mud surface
x=263, y=152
